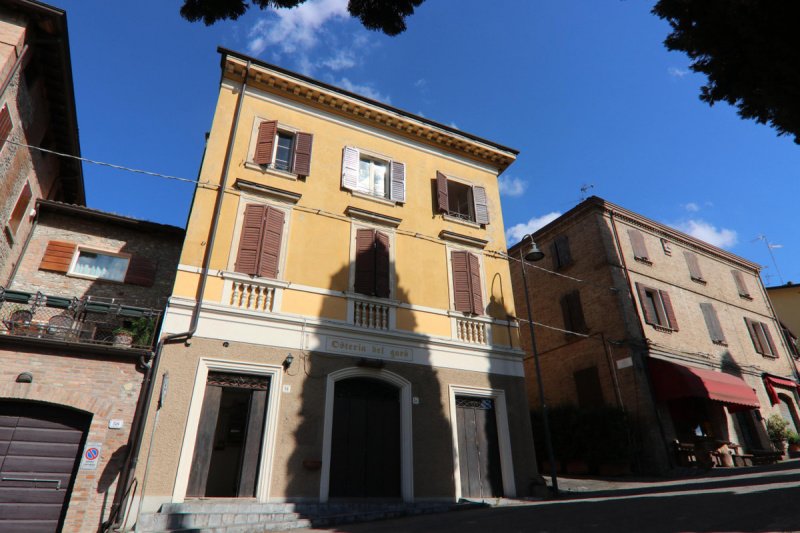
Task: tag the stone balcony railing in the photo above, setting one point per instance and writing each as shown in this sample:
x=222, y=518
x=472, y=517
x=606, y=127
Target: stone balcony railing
x=471, y=330
x=251, y=294
x=371, y=313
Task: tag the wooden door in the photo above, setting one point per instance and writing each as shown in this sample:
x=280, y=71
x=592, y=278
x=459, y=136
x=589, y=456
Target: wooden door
x=478, y=448
x=40, y=450
x=365, y=447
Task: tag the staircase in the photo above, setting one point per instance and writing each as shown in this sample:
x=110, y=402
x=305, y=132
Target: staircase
x=208, y=516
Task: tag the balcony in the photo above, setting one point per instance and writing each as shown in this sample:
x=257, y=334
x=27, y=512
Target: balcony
x=371, y=313
x=85, y=321
x=472, y=331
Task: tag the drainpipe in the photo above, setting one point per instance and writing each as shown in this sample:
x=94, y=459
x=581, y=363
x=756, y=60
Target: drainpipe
x=14, y=69
x=135, y=442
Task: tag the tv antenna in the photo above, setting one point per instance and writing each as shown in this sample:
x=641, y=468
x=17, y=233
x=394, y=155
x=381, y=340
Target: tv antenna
x=584, y=188
x=770, y=247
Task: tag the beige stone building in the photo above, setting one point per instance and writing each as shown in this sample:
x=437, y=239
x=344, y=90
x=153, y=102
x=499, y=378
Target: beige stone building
x=677, y=332
x=340, y=327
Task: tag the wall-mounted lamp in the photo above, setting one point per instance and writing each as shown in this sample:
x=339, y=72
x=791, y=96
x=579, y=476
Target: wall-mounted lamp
x=25, y=377
x=288, y=361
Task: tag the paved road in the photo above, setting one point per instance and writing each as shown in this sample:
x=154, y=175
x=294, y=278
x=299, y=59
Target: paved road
x=745, y=499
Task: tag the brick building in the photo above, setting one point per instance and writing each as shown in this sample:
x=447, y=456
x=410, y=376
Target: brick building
x=70, y=377
x=37, y=108
x=675, y=331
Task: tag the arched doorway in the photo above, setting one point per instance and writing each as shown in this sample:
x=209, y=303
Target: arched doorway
x=40, y=450
x=365, y=442
x=786, y=407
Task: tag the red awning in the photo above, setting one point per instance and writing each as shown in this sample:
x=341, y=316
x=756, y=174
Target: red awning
x=770, y=382
x=672, y=381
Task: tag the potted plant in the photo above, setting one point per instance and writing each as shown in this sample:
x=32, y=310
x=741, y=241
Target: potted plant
x=142, y=329
x=778, y=431
x=794, y=444
x=123, y=337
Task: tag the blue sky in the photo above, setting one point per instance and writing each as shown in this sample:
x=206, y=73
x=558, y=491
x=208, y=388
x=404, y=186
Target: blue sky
x=584, y=89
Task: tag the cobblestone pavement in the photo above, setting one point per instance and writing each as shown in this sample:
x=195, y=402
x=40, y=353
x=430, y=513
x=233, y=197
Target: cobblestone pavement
x=743, y=499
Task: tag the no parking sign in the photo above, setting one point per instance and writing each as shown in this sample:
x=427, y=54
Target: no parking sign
x=91, y=456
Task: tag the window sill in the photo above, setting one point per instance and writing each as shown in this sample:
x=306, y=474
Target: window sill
x=457, y=220
x=720, y=343
x=237, y=276
x=746, y=297
x=766, y=356
x=662, y=329
x=643, y=260
x=272, y=171
x=701, y=281
x=373, y=198
x=470, y=316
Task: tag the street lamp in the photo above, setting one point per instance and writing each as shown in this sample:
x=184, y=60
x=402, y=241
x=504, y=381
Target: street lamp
x=532, y=253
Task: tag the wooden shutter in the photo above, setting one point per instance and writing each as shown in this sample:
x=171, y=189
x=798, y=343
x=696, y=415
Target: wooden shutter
x=250, y=241
x=476, y=287
x=442, y=199
x=302, y=154
x=462, y=294
x=694, y=266
x=58, y=256
x=270, y=253
x=141, y=271
x=481, y=205
x=741, y=286
x=665, y=300
x=561, y=252
x=20, y=208
x=637, y=242
x=768, y=338
x=398, y=192
x=712, y=322
x=265, y=142
x=751, y=328
x=650, y=316
x=382, y=265
x=350, y=158
x=365, y=262
x=572, y=310
x=5, y=125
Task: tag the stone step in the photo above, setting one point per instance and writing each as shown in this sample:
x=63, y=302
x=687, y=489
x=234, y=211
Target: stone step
x=177, y=521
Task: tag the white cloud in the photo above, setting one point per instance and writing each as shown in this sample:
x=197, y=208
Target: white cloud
x=676, y=72
x=363, y=89
x=512, y=186
x=343, y=59
x=691, y=207
x=516, y=233
x=453, y=125
x=700, y=229
x=296, y=29
x=421, y=83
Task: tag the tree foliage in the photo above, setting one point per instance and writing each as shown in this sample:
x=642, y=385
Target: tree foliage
x=748, y=49
x=388, y=16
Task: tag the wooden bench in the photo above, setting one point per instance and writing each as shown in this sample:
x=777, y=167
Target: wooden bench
x=766, y=457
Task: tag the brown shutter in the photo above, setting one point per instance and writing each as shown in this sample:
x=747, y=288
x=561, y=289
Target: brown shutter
x=382, y=288
x=271, y=243
x=587, y=385
x=741, y=286
x=462, y=294
x=475, y=284
x=20, y=208
x=5, y=125
x=637, y=242
x=250, y=240
x=577, y=322
x=265, y=142
x=302, y=154
x=751, y=328
x=350, y=159
x=141, y=271
x=561, y=251
x=398, y=192
x=712, y=322
x=481, y=205
x=58, y=256
x=649, y=314
x=694, y=266
x=441, y=192
x=768, y=337
x=673, y=322
x=365, y=262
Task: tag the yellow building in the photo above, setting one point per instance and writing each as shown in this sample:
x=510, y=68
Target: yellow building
x=354, y=336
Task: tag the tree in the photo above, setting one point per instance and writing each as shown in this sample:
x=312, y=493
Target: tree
x=387, y=16
x=748, y=49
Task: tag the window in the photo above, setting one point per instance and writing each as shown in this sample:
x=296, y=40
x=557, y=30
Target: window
x=260, y=242
x=639, y=248
x=282, y=149
x=562, y=257
x=5, y=125
x=100, y=265
x=657, y=308
x=373, y=175
x=588, y=387
x=666, y=246
x=694, y=267
x=461, y=200
x=372, y=263
x=712, y=323
x=741, y=286
x=572, y=311
x=761, y=337
x=20, y=208
x=467, y=288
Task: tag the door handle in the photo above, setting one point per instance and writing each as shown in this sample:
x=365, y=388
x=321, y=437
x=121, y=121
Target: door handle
x=35, y=480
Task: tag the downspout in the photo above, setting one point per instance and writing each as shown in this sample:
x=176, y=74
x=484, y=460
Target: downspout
x=153, y=364
x=14, y=69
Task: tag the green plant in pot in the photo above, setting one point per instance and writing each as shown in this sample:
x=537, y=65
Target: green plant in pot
x=123, y=337
x=794, y=443
x=778, y=431
x=142, y=330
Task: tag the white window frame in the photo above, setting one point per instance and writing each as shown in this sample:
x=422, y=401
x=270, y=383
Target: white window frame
x=365, y=155
x=76, y=255
x=204, y=366
x=503, y=435
x=251, y=150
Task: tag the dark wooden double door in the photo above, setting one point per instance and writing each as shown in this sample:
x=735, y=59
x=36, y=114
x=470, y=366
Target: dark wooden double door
x=40, y=449
x=227, y=450
x=365, y=447
x=478, y=448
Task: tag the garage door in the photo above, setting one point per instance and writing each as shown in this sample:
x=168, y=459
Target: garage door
x=40, y=449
